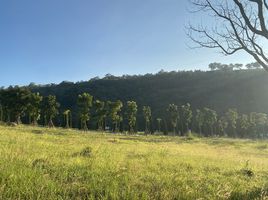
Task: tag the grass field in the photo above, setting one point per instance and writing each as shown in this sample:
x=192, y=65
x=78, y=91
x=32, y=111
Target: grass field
x=38, y=163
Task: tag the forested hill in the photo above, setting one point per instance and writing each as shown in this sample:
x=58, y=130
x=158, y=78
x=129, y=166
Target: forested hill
x=246, y=90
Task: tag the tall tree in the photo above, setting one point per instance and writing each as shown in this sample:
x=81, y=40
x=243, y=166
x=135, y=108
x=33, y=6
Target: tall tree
x=159, y=121
x=132, y=109
x=243, y=125
x=50, y=109
x=242, y=26
x=84, y=103
x=15, y=101
x=222, y=124
x=1, y=106
x=67, y=114
x=174, y=115
x=100, y=113
x=34, y=108
x=253, y=124
x=115, y=109
x=186, y=117
x=199, y=120
x=147, y=114
x=6, y=104
x=232, y=116
x=1, y=113
x=210, y=118
x=261, y=120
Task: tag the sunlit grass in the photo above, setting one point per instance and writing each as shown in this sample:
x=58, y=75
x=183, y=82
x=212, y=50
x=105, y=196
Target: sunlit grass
x=39, y=163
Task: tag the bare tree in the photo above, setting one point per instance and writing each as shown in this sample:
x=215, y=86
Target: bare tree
x=241, y=26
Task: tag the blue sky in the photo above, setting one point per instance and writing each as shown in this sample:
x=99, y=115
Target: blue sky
x=48, y=41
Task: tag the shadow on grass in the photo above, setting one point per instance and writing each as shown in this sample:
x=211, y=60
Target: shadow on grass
x=256, y=193
x=168, y=139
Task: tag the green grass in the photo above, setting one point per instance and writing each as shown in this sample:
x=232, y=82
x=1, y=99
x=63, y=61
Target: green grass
x=38, y=163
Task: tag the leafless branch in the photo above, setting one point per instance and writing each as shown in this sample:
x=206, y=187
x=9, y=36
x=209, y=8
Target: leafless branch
x=243, y=24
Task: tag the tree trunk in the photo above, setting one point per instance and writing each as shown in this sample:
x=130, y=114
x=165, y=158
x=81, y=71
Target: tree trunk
x=34, y=122
x=182, y=129
x=18, y=120
x=67, y=121
x=85, y=126
x=159, y=127
x=115, y=127
x=211, y=130
x=45, y=121
x=1, y=113
x=50, y=123
x=71, y=120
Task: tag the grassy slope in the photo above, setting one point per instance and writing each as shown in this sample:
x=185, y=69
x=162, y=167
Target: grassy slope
x=39, y=163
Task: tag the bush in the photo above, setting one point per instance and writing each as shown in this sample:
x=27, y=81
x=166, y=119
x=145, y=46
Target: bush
x=246, y=171
x=86, y=152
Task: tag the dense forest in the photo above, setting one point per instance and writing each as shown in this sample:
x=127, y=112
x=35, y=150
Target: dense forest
x=241, y=94
x=245, y=90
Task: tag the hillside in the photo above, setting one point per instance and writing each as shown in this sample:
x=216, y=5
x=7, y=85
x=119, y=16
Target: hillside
x=39, y=163
x=245, y=90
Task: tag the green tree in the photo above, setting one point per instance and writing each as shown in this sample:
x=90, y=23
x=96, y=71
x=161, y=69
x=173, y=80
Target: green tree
x=231, y=116
x=115, y=109
x=1, y=106
x=100, y=114
x=222, y=124
x=84, y=103
x=174, y=115
x=186, y=117
x=50, y=109
x=67, y=114
x=147, y=114
x=6, y=104
x=34, y=108
x=210, y=118
x=15, y=101
x=261, y=120
x=1, y=113
x=132, y=109
x=199, y=120
x=243, y=124
x=159, y=121
x=253, y=124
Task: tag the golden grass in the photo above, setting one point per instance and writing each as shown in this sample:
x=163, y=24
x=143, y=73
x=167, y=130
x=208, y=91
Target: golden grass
x=40, y=163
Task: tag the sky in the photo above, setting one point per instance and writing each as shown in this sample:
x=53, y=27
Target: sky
x=50, y=41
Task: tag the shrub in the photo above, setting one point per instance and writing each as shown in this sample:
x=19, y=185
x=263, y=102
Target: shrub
x=86, y=152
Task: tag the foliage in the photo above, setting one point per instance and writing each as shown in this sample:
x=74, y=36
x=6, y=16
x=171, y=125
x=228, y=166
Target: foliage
x=33, y=107
x=101, y=113
x=147, y=113
x=50, y=109
x=210, y=118
x=202, y=89
x=14, y=101
x=84, y=103
x=67, y=118
x=231, y=116
x=132, y=109
x=174, y=115
x=115, y=109
x=186, y=117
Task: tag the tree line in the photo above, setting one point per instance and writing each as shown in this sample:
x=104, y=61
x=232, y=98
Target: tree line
x=230, y=67
x=20, y=105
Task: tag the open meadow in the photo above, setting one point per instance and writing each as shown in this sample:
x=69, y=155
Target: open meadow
x=40, y=163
